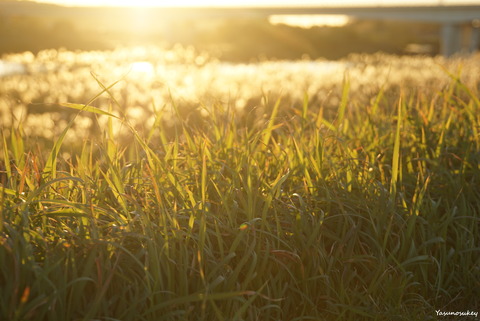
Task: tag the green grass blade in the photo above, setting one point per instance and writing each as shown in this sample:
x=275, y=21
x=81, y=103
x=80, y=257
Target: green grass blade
x=88, y=108
x=6, y=159
x=396, y=153
x=267, y=133
x=344, y=100
x=50, y=169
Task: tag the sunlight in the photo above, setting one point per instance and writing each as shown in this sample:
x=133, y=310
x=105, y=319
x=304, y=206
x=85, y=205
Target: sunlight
x=220, y=3
x=154, y=3
x=143, y=3
x=308, y=21
x=144, y=68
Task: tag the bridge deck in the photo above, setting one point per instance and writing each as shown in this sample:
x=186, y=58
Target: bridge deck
x=421, y=13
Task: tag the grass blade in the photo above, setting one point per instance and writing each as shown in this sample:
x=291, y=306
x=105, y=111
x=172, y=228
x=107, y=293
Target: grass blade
x=396, y=153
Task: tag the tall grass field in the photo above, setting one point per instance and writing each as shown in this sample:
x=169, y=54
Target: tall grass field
x=346, y=194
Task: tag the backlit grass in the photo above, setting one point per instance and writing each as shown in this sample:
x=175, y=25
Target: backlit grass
x=369, y=211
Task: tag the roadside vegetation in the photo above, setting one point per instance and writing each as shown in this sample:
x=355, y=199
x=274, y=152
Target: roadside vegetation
x=353, y=201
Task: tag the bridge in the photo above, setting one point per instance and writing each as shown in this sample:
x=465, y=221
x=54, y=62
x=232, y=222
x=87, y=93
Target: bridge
x=454, y=19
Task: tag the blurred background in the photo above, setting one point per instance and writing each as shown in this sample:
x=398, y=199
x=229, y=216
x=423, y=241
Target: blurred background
x=67, y=51
x=34, y=26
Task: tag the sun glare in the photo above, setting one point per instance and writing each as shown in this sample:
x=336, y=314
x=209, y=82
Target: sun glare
x=154, y=3
x=221, y=3
x=143, y=68
x=308, y=21
x=145, y=3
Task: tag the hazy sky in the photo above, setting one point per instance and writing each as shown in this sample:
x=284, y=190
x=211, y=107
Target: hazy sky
x=254, y=2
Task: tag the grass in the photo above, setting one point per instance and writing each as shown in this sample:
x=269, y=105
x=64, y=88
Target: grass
x=371, y=213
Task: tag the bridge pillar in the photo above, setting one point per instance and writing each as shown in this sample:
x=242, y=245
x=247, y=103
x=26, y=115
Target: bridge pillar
x=451, y=39
x=475, y=36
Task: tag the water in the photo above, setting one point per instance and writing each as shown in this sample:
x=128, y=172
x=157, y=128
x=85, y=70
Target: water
x=8, y=68
x=146, y=82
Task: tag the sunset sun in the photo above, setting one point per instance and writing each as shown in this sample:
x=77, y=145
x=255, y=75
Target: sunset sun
x=153, y=3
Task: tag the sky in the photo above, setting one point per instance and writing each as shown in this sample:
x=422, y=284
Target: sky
x=147, y=3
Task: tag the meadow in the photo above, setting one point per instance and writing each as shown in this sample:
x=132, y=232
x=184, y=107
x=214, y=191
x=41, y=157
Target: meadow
x=144, y=184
